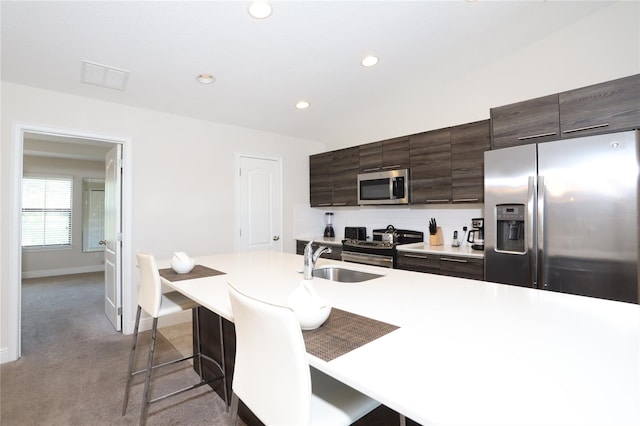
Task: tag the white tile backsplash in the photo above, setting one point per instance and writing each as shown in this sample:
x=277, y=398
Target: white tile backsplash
x=309, y=222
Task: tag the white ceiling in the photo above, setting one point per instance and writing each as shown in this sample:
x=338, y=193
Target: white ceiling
x=305, y=50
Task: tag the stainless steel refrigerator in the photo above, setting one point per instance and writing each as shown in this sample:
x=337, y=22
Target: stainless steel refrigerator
x=563, y=216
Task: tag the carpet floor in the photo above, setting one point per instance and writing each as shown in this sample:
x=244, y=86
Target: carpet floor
x=73, y=365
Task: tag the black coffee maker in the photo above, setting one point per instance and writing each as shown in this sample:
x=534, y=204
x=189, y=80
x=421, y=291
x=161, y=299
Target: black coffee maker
x=476, y=234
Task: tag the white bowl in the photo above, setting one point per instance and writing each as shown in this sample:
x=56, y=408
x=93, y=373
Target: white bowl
x=183, y=267
x=311, y=316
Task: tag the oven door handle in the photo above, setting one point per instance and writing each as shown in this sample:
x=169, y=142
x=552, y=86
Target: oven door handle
x=367, y=259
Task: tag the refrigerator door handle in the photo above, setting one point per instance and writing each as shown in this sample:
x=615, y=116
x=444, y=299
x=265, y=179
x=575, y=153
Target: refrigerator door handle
x=540, y=225
x=530, y=233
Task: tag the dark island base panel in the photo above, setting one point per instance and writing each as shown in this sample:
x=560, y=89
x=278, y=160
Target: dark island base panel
x=210, y=338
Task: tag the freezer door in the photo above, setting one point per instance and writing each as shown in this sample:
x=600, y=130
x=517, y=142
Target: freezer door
x=588, y=217
x=510, y=179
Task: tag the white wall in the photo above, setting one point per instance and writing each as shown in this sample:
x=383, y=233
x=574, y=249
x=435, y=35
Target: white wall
x=184, y=172
x=39, y=263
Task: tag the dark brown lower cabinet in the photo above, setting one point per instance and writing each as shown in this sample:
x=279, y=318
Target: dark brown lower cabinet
x=453, y=266
x=336, y=250
x=210, y=342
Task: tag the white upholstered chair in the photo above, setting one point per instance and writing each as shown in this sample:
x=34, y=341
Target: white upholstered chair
x=156, y=304
x=272, y=376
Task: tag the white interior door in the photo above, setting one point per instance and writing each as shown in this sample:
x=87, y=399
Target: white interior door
x=113, y=237
x=260, y=204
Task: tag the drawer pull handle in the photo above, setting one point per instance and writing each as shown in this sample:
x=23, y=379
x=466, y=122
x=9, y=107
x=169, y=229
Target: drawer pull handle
x=444, y=200
x=339, y=204
x=415, y=256
x=541, y=135
x=395, y=166
x=597, y=126
x=373, y=169
x=324, y=204
x=466, y=200
x=448, y=259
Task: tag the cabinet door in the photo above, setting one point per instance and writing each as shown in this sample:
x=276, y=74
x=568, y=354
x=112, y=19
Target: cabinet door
x=345, y=176
x=320, y=179
x=531, y=121
x=468, y=144
x=431, y=167
x=601, y=108
x=395, y=153
x=418, y=262
x=336, y=250
x=462, y=267
x=370, y=155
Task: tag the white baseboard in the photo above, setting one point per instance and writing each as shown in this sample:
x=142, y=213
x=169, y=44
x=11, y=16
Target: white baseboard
x=5, y=356
x=62, y=271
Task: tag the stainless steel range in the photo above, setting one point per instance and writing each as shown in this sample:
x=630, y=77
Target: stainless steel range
x=382, y=250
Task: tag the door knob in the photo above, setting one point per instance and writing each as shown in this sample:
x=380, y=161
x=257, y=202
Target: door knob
x=276, y=237
x=102, y=242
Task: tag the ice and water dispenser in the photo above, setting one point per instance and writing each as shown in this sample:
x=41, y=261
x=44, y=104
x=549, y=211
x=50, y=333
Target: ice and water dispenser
x=510, y=228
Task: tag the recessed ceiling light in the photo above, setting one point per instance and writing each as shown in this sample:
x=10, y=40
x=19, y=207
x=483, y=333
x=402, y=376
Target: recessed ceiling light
x=205, y=78
x=260, y=9
x=302, y=105
x=369, y=61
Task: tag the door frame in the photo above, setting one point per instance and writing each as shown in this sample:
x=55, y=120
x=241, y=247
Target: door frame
x=239, y=157
x=15, y=250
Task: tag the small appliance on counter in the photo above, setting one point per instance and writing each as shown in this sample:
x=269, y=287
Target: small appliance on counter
x=328, y=228
x=476, y=234
x=358, y=233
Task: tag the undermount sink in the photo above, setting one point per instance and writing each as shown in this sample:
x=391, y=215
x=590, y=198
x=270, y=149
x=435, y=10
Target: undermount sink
x=343, y=275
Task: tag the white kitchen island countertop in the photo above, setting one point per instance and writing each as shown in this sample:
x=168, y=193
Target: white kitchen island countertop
x=467, y=352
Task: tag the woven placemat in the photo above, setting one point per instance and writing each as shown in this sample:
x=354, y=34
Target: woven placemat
x=198, y=271
x=343, y=332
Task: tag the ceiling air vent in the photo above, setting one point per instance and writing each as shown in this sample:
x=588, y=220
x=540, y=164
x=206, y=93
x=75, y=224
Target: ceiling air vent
x=104, y=76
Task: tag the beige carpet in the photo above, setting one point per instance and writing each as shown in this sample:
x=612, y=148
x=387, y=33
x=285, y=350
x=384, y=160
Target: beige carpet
x=73, y=365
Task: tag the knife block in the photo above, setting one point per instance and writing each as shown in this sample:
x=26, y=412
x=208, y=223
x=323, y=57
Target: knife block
x=437, y=239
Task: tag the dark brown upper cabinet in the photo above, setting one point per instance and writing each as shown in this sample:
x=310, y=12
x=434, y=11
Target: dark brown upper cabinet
x=345, y=176
x=320, y=179
x=601, y=108
x=468, y=145
x=333, y=178
x=431, y=167
x=389, y=154
x=532, y=121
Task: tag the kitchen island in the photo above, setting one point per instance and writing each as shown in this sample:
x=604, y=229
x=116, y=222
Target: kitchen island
x=466, y=351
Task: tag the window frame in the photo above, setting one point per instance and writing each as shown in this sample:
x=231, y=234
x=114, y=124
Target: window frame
x=48, y=247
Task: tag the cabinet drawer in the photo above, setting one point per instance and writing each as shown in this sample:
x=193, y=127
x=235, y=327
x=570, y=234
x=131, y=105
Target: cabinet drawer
x=419, y=262
x=462, y=267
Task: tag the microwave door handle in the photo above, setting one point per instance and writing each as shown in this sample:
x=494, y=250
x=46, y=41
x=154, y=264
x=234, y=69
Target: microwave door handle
x=398, y=187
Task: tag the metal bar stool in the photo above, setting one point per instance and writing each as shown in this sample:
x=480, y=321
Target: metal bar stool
x=156, y=304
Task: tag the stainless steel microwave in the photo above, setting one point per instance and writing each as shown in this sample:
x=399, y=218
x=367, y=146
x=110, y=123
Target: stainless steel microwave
x=388, y=187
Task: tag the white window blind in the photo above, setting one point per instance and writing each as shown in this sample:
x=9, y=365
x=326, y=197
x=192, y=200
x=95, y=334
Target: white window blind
x=46, y=211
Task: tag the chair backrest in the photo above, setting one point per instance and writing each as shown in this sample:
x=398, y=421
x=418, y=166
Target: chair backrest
x=150, y=291
x=271, y=373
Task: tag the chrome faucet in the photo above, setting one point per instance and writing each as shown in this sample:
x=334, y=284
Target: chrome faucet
x=311, y=257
